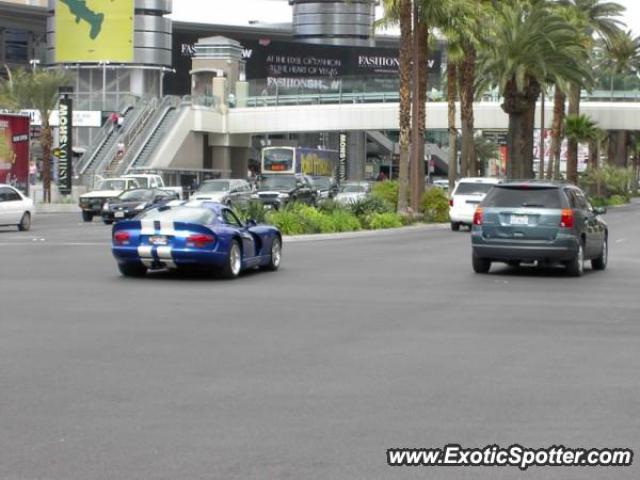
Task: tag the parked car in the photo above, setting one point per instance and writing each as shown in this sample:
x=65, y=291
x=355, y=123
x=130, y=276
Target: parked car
x=227, y=191
x=130, y=203
x=466, y=196
x=351, y=192
x=92, y=203
x=195, y=235
x=148, y=180
x=442, y=184
x=275, y=191
x=15, y=208
x=538, y=221
x=326, y=186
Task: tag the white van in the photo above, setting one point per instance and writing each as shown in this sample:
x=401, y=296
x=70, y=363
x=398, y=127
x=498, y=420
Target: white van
x=466, y=196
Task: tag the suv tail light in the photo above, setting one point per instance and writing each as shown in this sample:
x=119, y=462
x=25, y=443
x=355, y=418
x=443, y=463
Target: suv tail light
x=566, y=218
x=200, y=240
x=121, y=238
x=477, y=216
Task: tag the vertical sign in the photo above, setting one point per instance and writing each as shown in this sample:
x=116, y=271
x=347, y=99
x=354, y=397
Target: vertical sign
x=65, y=144
x=342, y=157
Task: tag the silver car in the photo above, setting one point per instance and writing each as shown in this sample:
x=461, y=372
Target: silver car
x=226, y=191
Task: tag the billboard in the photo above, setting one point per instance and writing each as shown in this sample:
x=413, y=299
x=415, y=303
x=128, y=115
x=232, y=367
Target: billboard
x=14, y=151
x=94, y=31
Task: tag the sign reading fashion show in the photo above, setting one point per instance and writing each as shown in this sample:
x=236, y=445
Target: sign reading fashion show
x=65, y=143
x=94, y=31
x=342, y=157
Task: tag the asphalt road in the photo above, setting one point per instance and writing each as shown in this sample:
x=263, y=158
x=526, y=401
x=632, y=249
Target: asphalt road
x=312, y=372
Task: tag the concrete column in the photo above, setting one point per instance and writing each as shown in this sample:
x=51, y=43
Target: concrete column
x=356, y=155
x=239, y=162
x=242, y=92
x=137, y=82
x=222, y=159
x=220, y=89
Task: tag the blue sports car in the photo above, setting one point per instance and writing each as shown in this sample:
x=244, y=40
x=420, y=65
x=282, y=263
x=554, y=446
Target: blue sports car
x=194, y=236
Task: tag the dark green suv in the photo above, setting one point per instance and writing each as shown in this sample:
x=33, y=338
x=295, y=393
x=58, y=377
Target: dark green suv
x=538, y=221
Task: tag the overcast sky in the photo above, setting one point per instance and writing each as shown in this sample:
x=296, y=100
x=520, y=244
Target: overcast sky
x=240, y=12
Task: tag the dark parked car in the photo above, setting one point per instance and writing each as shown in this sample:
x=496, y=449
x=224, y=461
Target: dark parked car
x=326, y=186
x=276, y=191
x=130, y=203
x=538, y=221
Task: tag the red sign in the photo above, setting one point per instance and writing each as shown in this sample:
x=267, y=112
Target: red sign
x=14, y=151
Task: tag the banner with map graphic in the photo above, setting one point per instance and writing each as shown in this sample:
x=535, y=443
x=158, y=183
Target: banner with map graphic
x=94, y=31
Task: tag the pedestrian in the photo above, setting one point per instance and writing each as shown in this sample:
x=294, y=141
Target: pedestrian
x=120, y=121
x=113, y=120
x=381, y=176
x=120, y=149
x=33, y=172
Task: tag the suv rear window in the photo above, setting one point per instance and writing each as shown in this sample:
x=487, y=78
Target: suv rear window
x=470, y=188
x=516, y=197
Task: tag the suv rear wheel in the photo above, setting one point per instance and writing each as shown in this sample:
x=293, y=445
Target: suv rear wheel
x=575, y=266
x=600, y=263
x=480, y=265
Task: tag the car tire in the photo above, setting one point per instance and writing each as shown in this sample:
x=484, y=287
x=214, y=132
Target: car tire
x=25, y=222
x=480, y=265
x=87, y=217
x=106, y=221
x=575, y=266
x=132, y=269
x=276, y=255
x=455, y=226
x=600, y=263
x=233, y=265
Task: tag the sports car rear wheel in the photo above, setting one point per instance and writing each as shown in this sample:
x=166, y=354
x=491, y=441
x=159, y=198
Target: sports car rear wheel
x=276, y=255
x=132, y=270
x=233, y=265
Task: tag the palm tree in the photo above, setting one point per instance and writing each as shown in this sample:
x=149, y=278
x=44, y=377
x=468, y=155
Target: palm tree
x=559, y=99
x=579, y=129
x=588, y=17
x=530, y=45
x=400, y=12
x=621, y=55
x=38, y=90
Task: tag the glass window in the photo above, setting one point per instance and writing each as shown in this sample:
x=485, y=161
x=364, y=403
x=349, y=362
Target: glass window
x=354, y=188
x=136, y=196
x=230, y=219
x=214, y=186
x=111, y=185
x=279, y=183
x=277, y=160
x=472, y=188
x=517, y=197
x=16, y=45
x=202, y=216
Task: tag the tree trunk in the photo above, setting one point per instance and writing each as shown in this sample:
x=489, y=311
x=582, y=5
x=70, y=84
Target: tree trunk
x=405, y=102
x=556, y=132
x=542, y=135
x=453, y=133
x=468, y=161
x=572, y=145
x=45, y=142
x=593, y=154
x=419, y=93
x=520, y=106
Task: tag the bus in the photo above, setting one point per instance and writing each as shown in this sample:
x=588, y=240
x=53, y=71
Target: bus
x=290, y=160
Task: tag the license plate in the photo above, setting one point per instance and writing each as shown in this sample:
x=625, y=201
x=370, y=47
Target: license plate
x=519, y=220
x=118, y=214
x=157, y=240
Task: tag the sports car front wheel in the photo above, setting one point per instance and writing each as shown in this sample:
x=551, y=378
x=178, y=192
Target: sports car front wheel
x=276, y=255
x=233, y=265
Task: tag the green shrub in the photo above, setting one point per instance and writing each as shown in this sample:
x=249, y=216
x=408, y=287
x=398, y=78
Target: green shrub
x=387, y=191
x=377, y=221
x=369, y=205
x=617, y=200
x=288, y=222
x=344, y=221
x=330, y=205
x=253, y=210
x=607, y=181
x=435, y=206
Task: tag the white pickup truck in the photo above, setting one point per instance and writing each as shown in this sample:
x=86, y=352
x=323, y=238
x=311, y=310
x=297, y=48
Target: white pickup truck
x=147, y=180
x=91, y=203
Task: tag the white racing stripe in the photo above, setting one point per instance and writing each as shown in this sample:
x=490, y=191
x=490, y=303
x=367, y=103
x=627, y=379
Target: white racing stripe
x=147, y=227
x=145, y=252
x=167, y=228
x=164, y=254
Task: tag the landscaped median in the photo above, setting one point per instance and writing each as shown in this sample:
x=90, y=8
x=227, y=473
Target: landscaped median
x=375, y=212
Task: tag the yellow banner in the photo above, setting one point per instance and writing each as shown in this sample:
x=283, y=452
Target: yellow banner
x=94, y=31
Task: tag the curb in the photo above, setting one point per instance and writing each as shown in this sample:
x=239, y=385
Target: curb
x=364, y=233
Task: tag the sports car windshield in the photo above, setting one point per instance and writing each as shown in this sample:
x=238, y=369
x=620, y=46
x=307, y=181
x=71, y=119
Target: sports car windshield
x=112, y=185
x=354, y=188
x=136, y=196
x=203, y=216
x=214, y=187
x=278, y=183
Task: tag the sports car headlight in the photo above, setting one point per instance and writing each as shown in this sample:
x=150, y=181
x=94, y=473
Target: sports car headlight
x=105, y=206
x=142, y=206
x=283, y=195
